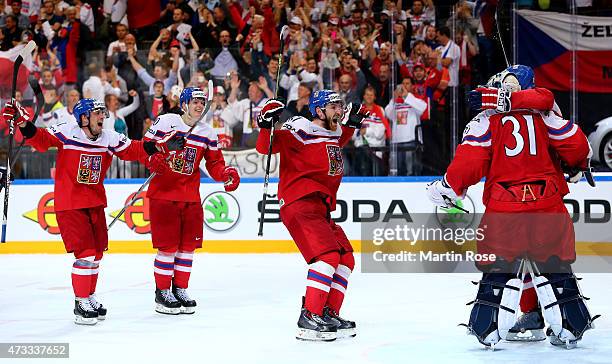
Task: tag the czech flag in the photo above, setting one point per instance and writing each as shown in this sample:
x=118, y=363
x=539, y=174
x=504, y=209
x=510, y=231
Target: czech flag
x=546, y=40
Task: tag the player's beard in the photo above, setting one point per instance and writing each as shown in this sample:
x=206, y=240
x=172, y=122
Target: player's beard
x=96, y=129
x=332, y=124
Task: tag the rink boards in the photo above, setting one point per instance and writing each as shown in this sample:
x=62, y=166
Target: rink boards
x=231, y=219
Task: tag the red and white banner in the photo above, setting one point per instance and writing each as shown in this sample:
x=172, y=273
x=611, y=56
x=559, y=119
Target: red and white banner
x=546, y=41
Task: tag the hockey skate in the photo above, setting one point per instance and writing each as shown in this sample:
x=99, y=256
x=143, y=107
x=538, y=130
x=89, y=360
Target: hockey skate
x=84, y=313
x=345, y=328
x=166, y=303
x=187, y=304
x=98, y=307
x=312, y=327
x=528, y=327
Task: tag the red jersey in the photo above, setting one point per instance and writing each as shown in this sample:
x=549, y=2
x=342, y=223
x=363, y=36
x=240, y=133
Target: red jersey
x=516, y=147
x=310, y=158
x=82, y=163
x=183, y=182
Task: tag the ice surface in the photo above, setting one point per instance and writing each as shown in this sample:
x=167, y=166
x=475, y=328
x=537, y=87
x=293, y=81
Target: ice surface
x=248, y=306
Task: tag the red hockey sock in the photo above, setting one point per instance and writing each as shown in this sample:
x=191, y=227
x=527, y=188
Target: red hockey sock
x=94, y=277
x=319, y=281
x=163, y=268
x=340, y=281
x=182, y=268
x=529, y=297
x=83, y=270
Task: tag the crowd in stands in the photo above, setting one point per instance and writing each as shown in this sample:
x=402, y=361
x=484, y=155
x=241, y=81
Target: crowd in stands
x=403, y=59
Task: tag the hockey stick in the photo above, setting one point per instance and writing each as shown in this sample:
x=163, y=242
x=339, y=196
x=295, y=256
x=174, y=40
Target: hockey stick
x=39, y=104
x=211, y=90
x=29, y=48
x=267, y=176
x=499, y=36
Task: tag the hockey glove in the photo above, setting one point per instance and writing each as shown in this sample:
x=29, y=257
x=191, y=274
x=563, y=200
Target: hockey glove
x=484, y=98
x=575, y=174
x=13, y=109
x=158, y=164
x=270, y=114
x=441, y=194
x=353, y=115
x=170, y=143
x=231, y=179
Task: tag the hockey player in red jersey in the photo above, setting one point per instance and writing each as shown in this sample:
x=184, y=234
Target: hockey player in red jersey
x=176, y=214
x=530, y=325
x=85, y=152
x=311, y=170
x=520, y=153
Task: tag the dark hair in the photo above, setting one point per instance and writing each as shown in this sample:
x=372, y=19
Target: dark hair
x=444, y=30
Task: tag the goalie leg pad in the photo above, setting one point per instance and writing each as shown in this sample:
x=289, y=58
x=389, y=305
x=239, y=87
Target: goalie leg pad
x=495, y=307
x=564, y=306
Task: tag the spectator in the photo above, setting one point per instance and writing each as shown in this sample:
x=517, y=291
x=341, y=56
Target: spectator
x=23, y=21
x=118, y=45
x=12, y=34
x=155, y=103
x=419, y=19
x=97, y=87
x=71, y=46
x=114, y=78
x=160, y=73
x=2, y=14
x=116, y=121
x=464, y=22
x=160, y=47
x=468, y=52
x=295, y=74
x=117, y=11
x=430, y=37
x=216, y=118
x=63, y=113
x=405, y=112
x=166, y=16
x=86, y=15
x=227, y=58
x=381, y=84
x=351, y=28
x=121, y=61
x=451, y=53
x=270, y=73
x=383, y=57
x=299, y=107
x=179, y=30
x=373, y=134
x=419, y=86
x=48, y=11
x=346, y=90
x=50, y=106
x=205, y=29
x=243, y=113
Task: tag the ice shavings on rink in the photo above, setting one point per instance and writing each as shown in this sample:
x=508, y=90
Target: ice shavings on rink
x=247, y=310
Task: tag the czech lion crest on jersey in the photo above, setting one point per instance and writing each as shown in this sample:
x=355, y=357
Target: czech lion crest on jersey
x=184, y=162
x=90, y=168
x=336, y=164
